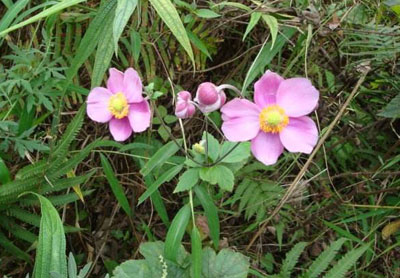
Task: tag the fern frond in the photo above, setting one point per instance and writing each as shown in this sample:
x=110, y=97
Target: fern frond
x=10, y=191
x=70, y=134
x=32, y=170
x=25, y=216
x=291, y=259
x=324, y=259
x=10, y=247
x=8, y=224
x=66, y=183
x=346, y=262
x=55, y=200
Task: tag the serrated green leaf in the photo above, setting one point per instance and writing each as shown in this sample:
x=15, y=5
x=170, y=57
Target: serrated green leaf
x=212, y=148
x=187, y=180
x=292, y=258
x=236, y=154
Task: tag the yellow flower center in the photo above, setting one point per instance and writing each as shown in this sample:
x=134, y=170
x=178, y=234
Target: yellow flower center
x=118, y=105
x=273, y=119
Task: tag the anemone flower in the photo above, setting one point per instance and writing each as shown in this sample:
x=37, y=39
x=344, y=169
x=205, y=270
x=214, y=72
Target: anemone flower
x=121, y=104
x=209, y=97
x=276, y=120
x=184, y=106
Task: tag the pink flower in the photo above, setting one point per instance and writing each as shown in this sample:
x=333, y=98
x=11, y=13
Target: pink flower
x=276, y=120
x=121, y=104
x=209, y=97
x=184, y=108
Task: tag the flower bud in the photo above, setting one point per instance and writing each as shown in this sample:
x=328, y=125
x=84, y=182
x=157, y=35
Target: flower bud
x=184, y=108
x=209, y=97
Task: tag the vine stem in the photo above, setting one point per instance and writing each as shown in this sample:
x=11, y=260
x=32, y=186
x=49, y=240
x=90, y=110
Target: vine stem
x=293, y=186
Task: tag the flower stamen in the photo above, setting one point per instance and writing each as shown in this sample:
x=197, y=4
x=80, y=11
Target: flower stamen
x=118, y=106
x=273, y=119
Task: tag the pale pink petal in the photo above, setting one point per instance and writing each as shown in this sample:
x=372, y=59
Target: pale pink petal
x=297, y=96
x=120, y=129
x=300, y=135
x=241, y=129
x=132, y=86
x=115, y=82
x=97, y=105
x=240, y=108
x=265, y=89
x=266, y=147
x=139, y=116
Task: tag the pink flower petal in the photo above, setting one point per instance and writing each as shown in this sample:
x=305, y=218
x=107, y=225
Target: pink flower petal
x=240, y=108
x=97, y=105
x=139, y=116
x=115, y=82
x=265, y=89
x=132, y=86
x=266, y=147
x=297, y=96
x=120, y=129
x=301, y=135
x=241, y=129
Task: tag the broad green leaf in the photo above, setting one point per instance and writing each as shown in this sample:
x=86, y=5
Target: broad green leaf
x=254, y=19
x=265, y=56
x=206, y=13
x=116, y=187
x=218, y=174
x=212, y=148
x=168, y=13
x=12, y=13
x=165, y=177
x=52, y=10
x=104, y=54
x=50, y=252
x=196, y=253
x=236, y=154
x=123, y=12
x=157, y=201
x=272, y=23
x=211, y=212
x=160, y=157
x=176, y=232
x=138, y=268
x=91, y=38
x=4, y=172
x=392, y=110
x=188, y=179
x=227, y=264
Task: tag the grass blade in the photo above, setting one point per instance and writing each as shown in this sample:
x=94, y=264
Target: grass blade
x=196, y=253
x=168, y=13
x=211, y=212
x=176, y=232
x=115, y=185
x=124, y=11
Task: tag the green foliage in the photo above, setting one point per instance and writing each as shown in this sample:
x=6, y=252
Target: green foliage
x=50, y=254
x=227, y=264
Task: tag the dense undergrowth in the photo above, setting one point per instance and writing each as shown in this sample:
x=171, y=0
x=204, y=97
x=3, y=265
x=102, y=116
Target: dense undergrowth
x=166, y=204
